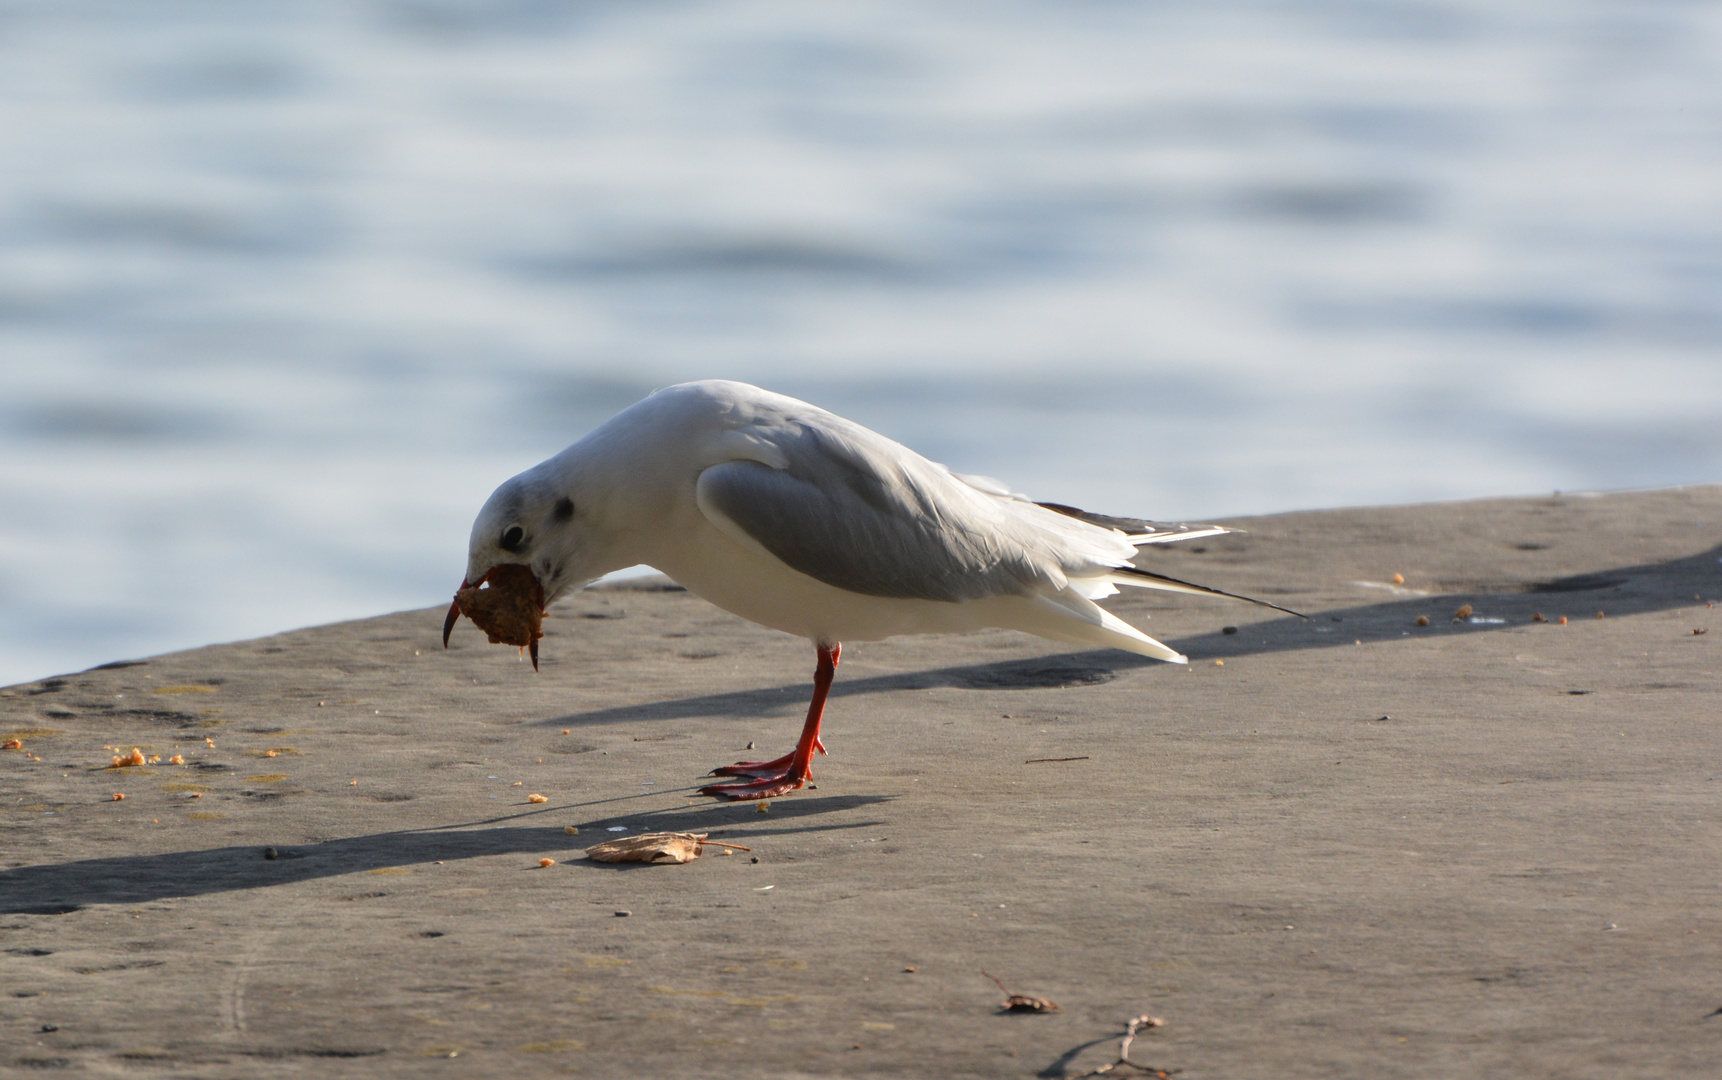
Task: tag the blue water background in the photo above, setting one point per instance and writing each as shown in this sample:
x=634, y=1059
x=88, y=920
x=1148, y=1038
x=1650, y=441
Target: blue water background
x=287, y=288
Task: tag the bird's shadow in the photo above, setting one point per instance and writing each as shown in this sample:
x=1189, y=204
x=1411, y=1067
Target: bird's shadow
x=57, y=888
x=1626, y=590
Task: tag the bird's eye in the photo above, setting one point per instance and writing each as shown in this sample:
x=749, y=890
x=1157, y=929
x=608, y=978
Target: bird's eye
x=511, y=537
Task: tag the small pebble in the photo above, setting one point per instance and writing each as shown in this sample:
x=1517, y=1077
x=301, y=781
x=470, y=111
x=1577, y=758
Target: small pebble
x=1422, y=620
x=1537, y=616
x=571, y=830
x=754, y=859
x=623, y=914
x=1464, y=612
x=1563, y=620
x=1599, y=615
x=271, y=853
x=1228, y=629
x=50, y=1027
x=762, y=808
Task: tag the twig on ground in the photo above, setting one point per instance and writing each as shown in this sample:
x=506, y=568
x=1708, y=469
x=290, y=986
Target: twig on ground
x=1135, y=1024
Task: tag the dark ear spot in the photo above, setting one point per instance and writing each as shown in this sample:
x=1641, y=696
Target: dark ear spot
x=564, y=509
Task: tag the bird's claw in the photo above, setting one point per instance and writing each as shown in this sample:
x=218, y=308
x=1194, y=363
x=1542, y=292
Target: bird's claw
x=762, y=770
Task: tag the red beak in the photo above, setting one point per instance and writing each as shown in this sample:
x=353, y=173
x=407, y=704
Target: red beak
x=453, y=616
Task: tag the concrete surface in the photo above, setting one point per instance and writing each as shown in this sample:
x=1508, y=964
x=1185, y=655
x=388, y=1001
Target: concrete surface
x=1358, y=848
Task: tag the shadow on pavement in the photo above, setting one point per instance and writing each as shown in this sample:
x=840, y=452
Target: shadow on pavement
x=1627, y=590
x=58, y=888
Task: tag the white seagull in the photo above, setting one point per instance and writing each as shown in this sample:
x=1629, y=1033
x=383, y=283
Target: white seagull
x=808, y=523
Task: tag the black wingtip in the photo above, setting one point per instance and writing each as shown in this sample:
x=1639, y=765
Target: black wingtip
x=1210, y=590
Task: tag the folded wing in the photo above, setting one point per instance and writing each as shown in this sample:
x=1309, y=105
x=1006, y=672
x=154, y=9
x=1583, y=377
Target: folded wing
x=858, y=512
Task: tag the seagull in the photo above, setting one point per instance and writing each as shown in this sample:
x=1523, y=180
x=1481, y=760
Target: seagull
x=797, y=519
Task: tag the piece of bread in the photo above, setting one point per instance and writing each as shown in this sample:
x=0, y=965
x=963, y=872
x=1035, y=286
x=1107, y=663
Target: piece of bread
x=508, y=605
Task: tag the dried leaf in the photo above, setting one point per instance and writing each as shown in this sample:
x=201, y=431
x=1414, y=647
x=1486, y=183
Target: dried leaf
x=1021, y=1002
x=660, y=847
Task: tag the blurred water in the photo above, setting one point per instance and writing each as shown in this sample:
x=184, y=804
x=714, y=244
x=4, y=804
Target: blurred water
x=287, y=288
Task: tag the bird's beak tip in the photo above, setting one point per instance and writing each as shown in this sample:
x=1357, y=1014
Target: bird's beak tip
x=453, y=616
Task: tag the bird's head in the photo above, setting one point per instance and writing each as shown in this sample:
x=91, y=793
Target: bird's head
x=524, y=553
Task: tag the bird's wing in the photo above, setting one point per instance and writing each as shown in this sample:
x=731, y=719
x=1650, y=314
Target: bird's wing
x=851, y=508
x=1138, y=530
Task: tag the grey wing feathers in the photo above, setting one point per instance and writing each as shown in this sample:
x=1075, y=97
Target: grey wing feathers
x=858, y=512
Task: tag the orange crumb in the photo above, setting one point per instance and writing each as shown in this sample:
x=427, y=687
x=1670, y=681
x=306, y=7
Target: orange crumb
x=177, y=759
x=15, y=744
x=1563, y=620
x=119, y=796
x=268, y=753
x=1398, y=579
x=1599, y=615
x=210, y=741
x=197, y=794
x=1537, y=616
x=566, y=731
x=1219, y=663
x=537, y=798
x=352, y=783
x=155, y=759
x=546, y=862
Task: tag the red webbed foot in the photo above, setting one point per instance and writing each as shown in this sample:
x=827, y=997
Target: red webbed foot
x=760, y=770
x=780, y=776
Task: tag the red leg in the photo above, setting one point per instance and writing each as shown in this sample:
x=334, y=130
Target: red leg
x=780, y=776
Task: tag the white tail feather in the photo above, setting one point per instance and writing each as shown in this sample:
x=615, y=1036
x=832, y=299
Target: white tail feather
x=1170, y=535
